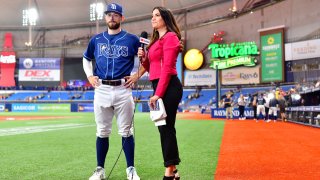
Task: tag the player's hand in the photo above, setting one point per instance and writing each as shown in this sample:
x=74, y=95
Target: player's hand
x=130, y=80
x=153, y=101
x=141, y=54
x=94, y=81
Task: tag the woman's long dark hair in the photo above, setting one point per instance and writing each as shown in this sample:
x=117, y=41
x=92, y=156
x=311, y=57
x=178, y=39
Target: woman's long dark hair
x=170, y=23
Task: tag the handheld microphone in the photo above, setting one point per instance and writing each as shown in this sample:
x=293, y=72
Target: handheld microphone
x=144, y=39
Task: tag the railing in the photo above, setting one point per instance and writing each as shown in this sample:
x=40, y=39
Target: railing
x=305, y=115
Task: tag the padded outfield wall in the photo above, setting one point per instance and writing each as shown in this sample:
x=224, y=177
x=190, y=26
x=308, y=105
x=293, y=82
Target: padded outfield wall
x=57, y=107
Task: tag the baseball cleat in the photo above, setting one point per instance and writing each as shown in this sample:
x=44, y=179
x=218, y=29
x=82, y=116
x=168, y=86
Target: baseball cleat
x=98, y=174
x=132, y=173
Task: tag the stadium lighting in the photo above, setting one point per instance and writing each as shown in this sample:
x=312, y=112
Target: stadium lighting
x=96, y=11
x=29, y=17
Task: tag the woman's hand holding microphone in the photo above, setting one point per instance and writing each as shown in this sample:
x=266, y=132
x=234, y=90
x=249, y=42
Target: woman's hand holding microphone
x=141, y=54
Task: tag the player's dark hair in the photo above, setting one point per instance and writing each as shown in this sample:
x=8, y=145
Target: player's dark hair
x=169, y=21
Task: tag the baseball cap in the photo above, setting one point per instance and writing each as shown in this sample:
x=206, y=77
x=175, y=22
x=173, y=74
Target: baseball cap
x=114, y=7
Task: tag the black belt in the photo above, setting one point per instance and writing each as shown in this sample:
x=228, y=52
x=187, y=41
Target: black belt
x=111, y=82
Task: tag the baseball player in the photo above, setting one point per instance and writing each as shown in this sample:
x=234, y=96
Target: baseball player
x=113, y=52
x=273, y=104
x=260, y=107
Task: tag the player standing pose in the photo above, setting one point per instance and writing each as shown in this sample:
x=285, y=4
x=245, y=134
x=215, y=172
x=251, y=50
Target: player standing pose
x=260, y=107
x=113, y=52
x=160, y=62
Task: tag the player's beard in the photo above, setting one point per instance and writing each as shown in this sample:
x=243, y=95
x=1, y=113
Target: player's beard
x=113, y=25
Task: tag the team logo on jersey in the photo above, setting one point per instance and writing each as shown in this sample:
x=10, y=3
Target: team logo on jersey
x=112, y=51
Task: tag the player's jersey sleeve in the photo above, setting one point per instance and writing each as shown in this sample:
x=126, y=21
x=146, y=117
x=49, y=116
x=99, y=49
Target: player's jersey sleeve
x=89, y=53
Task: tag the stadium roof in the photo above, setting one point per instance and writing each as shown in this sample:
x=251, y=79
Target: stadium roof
x=69, y=12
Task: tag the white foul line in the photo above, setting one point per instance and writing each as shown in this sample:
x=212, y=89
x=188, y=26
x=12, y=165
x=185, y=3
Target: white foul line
x=36, y=129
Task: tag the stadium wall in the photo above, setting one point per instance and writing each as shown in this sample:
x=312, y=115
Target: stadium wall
x=58, y=107
x=299, y=17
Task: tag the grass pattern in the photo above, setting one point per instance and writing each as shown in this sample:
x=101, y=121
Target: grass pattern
x=70, y=153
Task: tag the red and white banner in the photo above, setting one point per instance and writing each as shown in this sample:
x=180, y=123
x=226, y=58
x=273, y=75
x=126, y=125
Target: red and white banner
x=7, y=62
x=39, y=75
x=39, y=69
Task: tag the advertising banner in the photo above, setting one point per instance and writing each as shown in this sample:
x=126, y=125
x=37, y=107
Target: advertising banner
x=221, y=112
x=302, y=50
x=272, y=57
x=232, y=62
x=7, y=62
x=39, y=69
x=24, y=107
x=240, y=75
x=54, y=108
x=203, y=77
x=27, y=107
x=85, y=107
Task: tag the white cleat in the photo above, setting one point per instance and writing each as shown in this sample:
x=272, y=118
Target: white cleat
x=98, y=174
x=132, y=173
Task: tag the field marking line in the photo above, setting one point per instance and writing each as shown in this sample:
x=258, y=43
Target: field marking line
x=37, y=129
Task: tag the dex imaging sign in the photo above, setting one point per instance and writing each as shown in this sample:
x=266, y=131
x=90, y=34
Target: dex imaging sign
x=39, y=69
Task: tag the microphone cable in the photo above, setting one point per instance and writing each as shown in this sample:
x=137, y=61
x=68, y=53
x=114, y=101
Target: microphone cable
x=131, y=124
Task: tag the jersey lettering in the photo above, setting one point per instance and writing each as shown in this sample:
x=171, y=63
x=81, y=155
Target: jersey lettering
x=112, y=51
x=260, y=100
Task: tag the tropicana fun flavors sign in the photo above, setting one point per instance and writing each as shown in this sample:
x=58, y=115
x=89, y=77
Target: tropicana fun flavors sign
x=235, y=54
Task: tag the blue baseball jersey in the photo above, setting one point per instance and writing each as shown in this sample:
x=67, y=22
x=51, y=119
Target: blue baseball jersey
x=273, y=102
x=261, y=101
x=113, y=54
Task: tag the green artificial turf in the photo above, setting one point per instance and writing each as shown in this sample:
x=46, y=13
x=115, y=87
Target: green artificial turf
x=69, y=153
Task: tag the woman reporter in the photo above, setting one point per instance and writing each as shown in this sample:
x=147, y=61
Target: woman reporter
x=160, y=62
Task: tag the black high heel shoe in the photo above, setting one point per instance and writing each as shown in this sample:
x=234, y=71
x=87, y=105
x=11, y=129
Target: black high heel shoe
x=168, y=177
x=176, y=175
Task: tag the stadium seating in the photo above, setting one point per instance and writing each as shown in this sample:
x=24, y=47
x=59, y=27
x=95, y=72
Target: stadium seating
x=191, y=97
x=25, y=95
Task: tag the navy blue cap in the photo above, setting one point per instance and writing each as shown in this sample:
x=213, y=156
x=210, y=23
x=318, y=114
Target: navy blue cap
x=114, y=7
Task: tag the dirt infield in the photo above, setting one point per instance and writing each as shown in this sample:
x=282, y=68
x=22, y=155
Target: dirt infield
x=261, y=150
x=26, y=118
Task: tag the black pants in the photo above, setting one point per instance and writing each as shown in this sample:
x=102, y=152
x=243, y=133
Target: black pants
x=267, y=113
x=254, y=112
x=171, y=100
x=241, y=111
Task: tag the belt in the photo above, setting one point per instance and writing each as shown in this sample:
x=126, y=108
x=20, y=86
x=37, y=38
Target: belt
x=112, y=82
